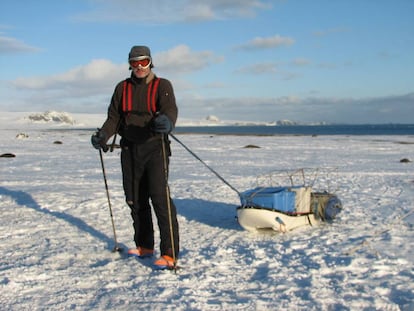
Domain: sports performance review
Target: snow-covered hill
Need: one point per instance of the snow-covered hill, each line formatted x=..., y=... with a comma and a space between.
x=52, y=116
x=61, y=119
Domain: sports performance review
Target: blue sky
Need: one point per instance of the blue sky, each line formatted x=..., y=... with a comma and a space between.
x=347, y=61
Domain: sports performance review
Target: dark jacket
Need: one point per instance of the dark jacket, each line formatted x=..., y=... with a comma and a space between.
x=135, y=125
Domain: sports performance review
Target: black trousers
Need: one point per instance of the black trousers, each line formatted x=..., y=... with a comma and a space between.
x=144, y=179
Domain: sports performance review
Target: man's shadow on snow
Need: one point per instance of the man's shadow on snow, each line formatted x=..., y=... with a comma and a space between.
x=24, y=199
x=214, y=214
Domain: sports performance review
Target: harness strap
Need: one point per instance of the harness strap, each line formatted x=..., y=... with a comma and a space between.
x=151, y=96
x=127, y=97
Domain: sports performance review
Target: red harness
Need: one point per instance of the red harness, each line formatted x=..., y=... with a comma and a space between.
x=151, y=96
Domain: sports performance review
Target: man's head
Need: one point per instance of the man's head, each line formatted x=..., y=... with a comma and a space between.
x=140, y=61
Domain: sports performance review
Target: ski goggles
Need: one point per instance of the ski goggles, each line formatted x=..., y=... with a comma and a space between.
x=142, y=62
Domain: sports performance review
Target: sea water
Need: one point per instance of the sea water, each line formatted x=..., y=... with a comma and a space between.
x=342, y=129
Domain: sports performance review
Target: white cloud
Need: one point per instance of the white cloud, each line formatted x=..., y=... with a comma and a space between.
x=99, y=72
x=90, y=85
x=267, y=42
x=182, y=59
x=391, y=109
x=301, y=62
x=13, y=45
x=322, y=33
x=166, y=11
x=88, y=88
x=259, y=68
x=80, y=89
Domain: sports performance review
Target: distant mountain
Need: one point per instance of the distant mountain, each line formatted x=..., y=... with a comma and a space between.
x=59, y=119
x=52, y=116
x=213, y=119
x=286, y=122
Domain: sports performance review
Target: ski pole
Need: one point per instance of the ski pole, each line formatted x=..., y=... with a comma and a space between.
x=205, y=164
x=116, y=247
x=167, y=194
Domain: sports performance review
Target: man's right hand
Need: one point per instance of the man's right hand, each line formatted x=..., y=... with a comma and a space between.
x=98, y=141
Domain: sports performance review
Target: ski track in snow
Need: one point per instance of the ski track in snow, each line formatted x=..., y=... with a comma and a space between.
x=56, y=235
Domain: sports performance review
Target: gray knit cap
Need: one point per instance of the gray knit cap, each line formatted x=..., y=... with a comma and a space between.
x=139, y=50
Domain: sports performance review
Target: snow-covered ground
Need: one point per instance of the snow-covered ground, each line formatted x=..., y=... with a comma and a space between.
x=56, y=235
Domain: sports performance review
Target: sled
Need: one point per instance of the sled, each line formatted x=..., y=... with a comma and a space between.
x=283, y=209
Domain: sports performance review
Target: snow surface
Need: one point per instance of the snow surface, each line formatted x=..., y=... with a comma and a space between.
x=56, y=235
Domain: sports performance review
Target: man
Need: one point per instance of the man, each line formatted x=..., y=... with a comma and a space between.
x=143, y=111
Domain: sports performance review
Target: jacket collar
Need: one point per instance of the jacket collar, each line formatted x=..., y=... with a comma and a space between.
x=145, y=80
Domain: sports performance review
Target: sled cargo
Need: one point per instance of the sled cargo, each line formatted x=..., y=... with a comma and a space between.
x=284, y=209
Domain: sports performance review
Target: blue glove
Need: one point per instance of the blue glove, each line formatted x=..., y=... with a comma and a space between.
x=98, y=141
x=162, y=124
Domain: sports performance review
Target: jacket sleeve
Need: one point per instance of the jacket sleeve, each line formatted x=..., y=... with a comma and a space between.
x=111, y=125
x=166, y=100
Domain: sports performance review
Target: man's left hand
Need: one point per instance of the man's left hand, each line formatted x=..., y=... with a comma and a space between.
x=162, y=124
